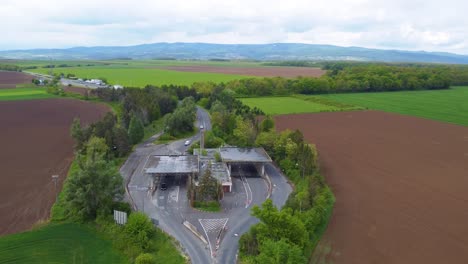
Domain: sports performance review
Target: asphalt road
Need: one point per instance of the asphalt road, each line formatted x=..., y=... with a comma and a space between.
x=170, y=207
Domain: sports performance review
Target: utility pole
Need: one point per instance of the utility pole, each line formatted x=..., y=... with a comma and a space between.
x=55, y=179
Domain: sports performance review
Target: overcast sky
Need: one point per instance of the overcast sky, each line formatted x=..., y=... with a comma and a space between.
x=390, y=24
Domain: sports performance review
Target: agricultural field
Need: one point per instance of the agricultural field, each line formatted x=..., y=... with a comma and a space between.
x=139, y=73
x=9, y=79
x=59, y=243
x=140, y=77
x=442, y=105
x=295, y=105
x=24, y=94
x=400, y=186
x=36, y=145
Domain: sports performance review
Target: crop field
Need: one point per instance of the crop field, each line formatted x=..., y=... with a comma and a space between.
x=270, y=71
x=58, y=243
x=134, y=77
x=36, y=144
x=443, y=105
x=399, y=182
x=24, y=94
x=295, y=105
x=10, y=79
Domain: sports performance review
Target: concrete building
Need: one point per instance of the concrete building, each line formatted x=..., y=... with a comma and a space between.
x=218, y=161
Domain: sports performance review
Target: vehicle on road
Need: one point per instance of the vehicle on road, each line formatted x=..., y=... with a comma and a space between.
x=187, y=142
x=202, y=127
x=163, y=186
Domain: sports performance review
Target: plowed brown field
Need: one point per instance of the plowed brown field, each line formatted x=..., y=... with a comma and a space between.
x=289, y=72
x=9, y=79
x=35, y=143
x=401, y=186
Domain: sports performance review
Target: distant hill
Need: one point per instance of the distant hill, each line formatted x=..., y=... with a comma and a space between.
x=265, y=52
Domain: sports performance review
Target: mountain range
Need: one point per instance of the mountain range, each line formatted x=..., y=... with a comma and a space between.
x=263, y=52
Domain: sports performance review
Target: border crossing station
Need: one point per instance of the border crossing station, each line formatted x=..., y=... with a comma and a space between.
x=219, y=161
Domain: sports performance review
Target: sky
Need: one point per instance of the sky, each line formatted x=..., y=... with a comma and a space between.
x=385, y=24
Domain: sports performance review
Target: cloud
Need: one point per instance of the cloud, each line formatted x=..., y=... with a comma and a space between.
x=398, y=24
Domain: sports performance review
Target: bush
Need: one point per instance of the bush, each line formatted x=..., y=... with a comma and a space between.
x=139, y=229
x=145, y=258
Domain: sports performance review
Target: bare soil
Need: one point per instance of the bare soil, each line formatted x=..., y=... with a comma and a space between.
x=36, y=144
x=288, y=72
x=9, y=79
x=77, y=90
x=400, y=184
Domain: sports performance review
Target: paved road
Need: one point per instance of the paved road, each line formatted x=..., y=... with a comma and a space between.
x=170, y=207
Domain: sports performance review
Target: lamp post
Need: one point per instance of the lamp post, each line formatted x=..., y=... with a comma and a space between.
x=55, y=179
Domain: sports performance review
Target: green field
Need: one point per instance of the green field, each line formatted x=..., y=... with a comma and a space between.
x=442, y=105
x=58, y=243
x=294, y=105
x=24, y=94
x=140, y=77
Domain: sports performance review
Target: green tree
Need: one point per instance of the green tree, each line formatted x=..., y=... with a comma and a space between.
x=139, y=229
x=95, y=185
x=77, y=134
x=267, y=124
x=244, y=133
x=208, y=189
x=279, y=252
x=136, y=130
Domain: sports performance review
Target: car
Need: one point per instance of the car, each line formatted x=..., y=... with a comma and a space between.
x=163, y=186
x=187, y=142
x=202, y=127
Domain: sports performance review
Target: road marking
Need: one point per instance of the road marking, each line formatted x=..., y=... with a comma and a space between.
x=213, y=226
x=174, y=194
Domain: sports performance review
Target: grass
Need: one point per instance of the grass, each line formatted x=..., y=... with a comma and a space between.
x=24, y=94
x=154, y=128
x=166, y=138
x=443, y=105
x=140, y=77
x=294, y=105
x=59, y=243
x=212, y=206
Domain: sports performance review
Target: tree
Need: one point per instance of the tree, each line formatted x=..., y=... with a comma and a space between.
x=208, y=189
x=136, y=130
x=244, y=133
x=267, y=124
x=121, y=142
x=139, y=229
x=77, y=134
x=95, y=185
x=279, y=252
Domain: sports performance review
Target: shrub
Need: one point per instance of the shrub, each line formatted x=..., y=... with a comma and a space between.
x=139, y=229
x=145, y=258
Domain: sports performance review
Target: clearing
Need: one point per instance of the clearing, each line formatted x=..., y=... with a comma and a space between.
x=400, y=186
x=36, y=145
x=59, y=243
x=442, y=105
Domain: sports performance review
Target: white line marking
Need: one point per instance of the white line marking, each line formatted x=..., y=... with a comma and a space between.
x=207, y=238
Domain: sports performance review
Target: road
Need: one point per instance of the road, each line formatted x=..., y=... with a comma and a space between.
x=171, y=207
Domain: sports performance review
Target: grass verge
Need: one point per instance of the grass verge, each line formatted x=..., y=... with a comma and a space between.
x=211, y=206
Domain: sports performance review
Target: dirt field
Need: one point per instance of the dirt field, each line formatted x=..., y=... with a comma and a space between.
x=35, y=144
x=77, y=90
x=400, y=184
x=9, y=79
x=289, y=72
